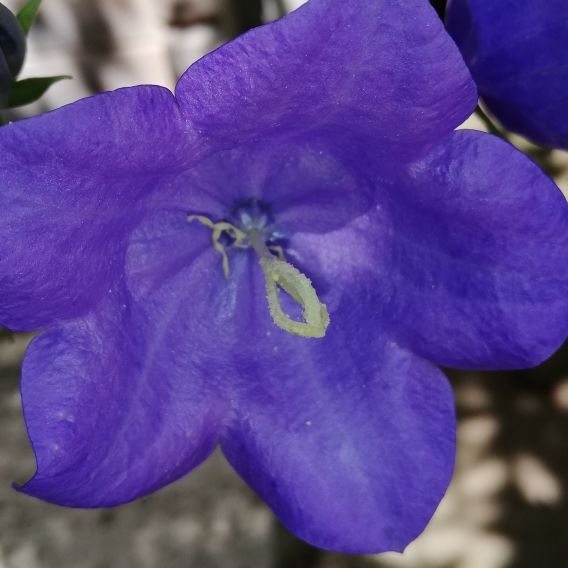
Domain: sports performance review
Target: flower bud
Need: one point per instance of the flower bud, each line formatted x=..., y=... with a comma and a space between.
x=12, y=51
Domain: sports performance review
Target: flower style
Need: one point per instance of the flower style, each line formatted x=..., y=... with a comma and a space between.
x=517, y=52
x=132, y=226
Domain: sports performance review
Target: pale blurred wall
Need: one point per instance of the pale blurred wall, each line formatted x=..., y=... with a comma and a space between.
x=108, y=44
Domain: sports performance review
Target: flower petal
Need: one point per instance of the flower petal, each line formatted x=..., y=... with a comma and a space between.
x=348, y=438
x=302, y=183
x=468, y=252
x=384, y=74
x=120, y=403
x=517, y=52
x=72, y=183
x=131, y=397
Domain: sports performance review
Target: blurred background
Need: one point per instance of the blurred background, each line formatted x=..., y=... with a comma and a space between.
x=507, y=505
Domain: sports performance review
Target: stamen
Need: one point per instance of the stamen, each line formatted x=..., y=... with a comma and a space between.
x=300, y=288
x=297, y=285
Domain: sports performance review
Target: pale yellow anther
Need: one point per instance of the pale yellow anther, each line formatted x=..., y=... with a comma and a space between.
x=300, y=288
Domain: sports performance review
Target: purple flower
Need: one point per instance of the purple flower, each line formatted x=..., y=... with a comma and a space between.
x=325, y=138
x=517, y=52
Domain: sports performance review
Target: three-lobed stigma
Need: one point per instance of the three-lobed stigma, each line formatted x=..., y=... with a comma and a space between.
x=277, y=272
x=218, y=230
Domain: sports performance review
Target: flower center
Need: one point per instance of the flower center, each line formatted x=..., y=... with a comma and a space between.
x=278, y=273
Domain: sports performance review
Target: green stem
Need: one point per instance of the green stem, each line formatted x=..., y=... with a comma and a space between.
x=489, y=123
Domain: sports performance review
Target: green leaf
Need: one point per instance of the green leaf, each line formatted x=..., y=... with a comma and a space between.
x=6, y=333
x=27, y=91
x=27, y=15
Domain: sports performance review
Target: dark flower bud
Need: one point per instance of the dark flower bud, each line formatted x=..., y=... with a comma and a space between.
x=12, y=51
